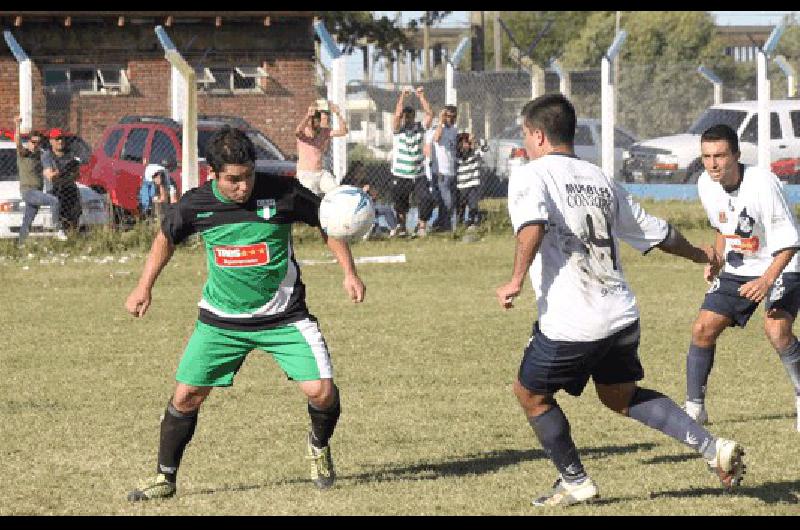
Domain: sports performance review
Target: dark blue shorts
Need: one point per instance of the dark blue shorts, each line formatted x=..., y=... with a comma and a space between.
x=551, y=365
x=724, y=299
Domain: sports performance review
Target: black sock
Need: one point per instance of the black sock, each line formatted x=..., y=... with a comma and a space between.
x=790, y=357
x=177, y=430
x=698, y=366
x=323, y=422
x=659, y=412
x=553, y=431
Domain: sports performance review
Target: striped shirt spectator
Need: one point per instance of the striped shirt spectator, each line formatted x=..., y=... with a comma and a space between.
x=407, y=156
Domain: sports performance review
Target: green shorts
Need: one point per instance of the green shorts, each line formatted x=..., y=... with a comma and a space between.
x=214, y=355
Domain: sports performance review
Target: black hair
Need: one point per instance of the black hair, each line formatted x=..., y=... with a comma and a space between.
x=451, y=108
x=356, y=175
x=721, y=132
x=554, y=115
x=409, y=110
x=229, y=146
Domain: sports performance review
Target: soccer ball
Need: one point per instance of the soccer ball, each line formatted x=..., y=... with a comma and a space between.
x=346, y=212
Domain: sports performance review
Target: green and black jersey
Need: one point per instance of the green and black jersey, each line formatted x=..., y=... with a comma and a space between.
x=253, y=278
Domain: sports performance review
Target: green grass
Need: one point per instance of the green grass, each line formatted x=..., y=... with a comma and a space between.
x=425, y=366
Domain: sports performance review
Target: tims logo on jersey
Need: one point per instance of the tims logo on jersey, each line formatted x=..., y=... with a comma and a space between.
x=266, y=208
x=241, y=255
x=723, y=217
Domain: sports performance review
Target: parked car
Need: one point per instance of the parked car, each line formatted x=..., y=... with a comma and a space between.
x=94, y=205
x=787, y=170
x=587, y=146
x=676, y=158
x=117, y=163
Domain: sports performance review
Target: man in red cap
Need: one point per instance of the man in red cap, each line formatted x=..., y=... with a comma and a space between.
x=61, y=166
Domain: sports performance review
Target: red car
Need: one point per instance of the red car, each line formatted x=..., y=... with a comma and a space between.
x=117, y=164
x=787, y=169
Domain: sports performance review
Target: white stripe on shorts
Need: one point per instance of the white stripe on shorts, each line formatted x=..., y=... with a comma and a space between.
x=311, y=332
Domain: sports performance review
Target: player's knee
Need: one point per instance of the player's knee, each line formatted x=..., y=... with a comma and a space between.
x=188, y=401
x=779, y=333
x=320, y=392
x=704, y=334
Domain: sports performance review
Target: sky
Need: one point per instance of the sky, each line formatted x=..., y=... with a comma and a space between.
x=461, y=19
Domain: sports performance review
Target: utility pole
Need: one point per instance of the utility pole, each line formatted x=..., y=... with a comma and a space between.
x=616, y=63
x=426, y=48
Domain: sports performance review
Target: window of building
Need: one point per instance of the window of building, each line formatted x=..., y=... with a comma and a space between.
x=86, y=79
x=230, y=79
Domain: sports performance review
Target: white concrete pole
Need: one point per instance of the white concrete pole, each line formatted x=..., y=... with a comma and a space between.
x=338, y=95
x=607, y=112
x=450, y=97
x=791, y=77
x=25, y=81
x=608, y=104
x=177, y=93
x=187, y=96
x=763, y=111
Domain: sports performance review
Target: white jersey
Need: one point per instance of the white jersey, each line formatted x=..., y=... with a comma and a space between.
x=580, y=289
x=429, y=159
x=755, y=219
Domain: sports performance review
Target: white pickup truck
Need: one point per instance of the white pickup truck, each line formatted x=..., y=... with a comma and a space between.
x=676, y=158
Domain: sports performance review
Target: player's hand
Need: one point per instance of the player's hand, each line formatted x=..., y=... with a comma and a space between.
x=406, y=92
x=420, y=91
x=334, y=107
x=17, y=119
x=441, y=116
x=138, y=302
x=506, y=294
x=355, y=288
x=311, y=110
x=714, y=265
x=755, y=290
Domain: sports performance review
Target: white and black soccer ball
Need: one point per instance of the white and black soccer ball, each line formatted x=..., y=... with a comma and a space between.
x=346, y=212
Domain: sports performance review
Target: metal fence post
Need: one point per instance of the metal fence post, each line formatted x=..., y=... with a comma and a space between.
x=791, y=75
x=451, y=94
x=25, y=81
x=715, y=80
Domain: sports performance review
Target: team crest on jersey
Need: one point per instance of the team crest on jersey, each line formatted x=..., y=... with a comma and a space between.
x=241, y=255
x=266, y=208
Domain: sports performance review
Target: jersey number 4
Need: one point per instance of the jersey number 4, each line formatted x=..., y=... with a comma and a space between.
x=607, y=241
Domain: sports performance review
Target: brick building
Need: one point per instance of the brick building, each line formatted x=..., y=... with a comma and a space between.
x=92, y=68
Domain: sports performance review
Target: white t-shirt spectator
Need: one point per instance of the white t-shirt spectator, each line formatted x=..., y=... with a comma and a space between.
x=576, y=273
x=444, y=159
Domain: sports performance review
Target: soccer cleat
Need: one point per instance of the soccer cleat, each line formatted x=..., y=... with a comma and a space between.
x=566, y=494
x=322, y=472
x=696, y=411
x=158, y=487
x=728, y=463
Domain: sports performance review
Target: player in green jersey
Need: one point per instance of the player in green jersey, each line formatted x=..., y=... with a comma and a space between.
x=253, y=299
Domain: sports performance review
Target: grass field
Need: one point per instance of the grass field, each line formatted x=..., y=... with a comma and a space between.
x=425, y=366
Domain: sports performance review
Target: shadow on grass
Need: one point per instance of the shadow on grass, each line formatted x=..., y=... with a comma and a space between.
x=769, y=492
x=671, y=459
x=763, y=417
x=472, y=464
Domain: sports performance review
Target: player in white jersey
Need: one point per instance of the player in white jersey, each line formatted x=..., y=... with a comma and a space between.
x=568, y=217
x=758, y=238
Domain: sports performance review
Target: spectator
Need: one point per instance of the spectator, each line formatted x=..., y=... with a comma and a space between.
x=357, y=176
x=31, y=183
x=157, y=191
x=444, y=167
x=408, y=173
x=312, y=142
x=61, y=167
x=468, y=180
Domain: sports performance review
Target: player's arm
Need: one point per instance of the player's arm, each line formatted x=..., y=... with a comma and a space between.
x=437, y=135
x=678, y=245
x=160, y=253
x=50, y=170
x=300, y=130
x=342, y=129
x=528, y=240
x=353, y=285
x=757, y=289
x=17, y=135
x=398, y=110
x=426, y=107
